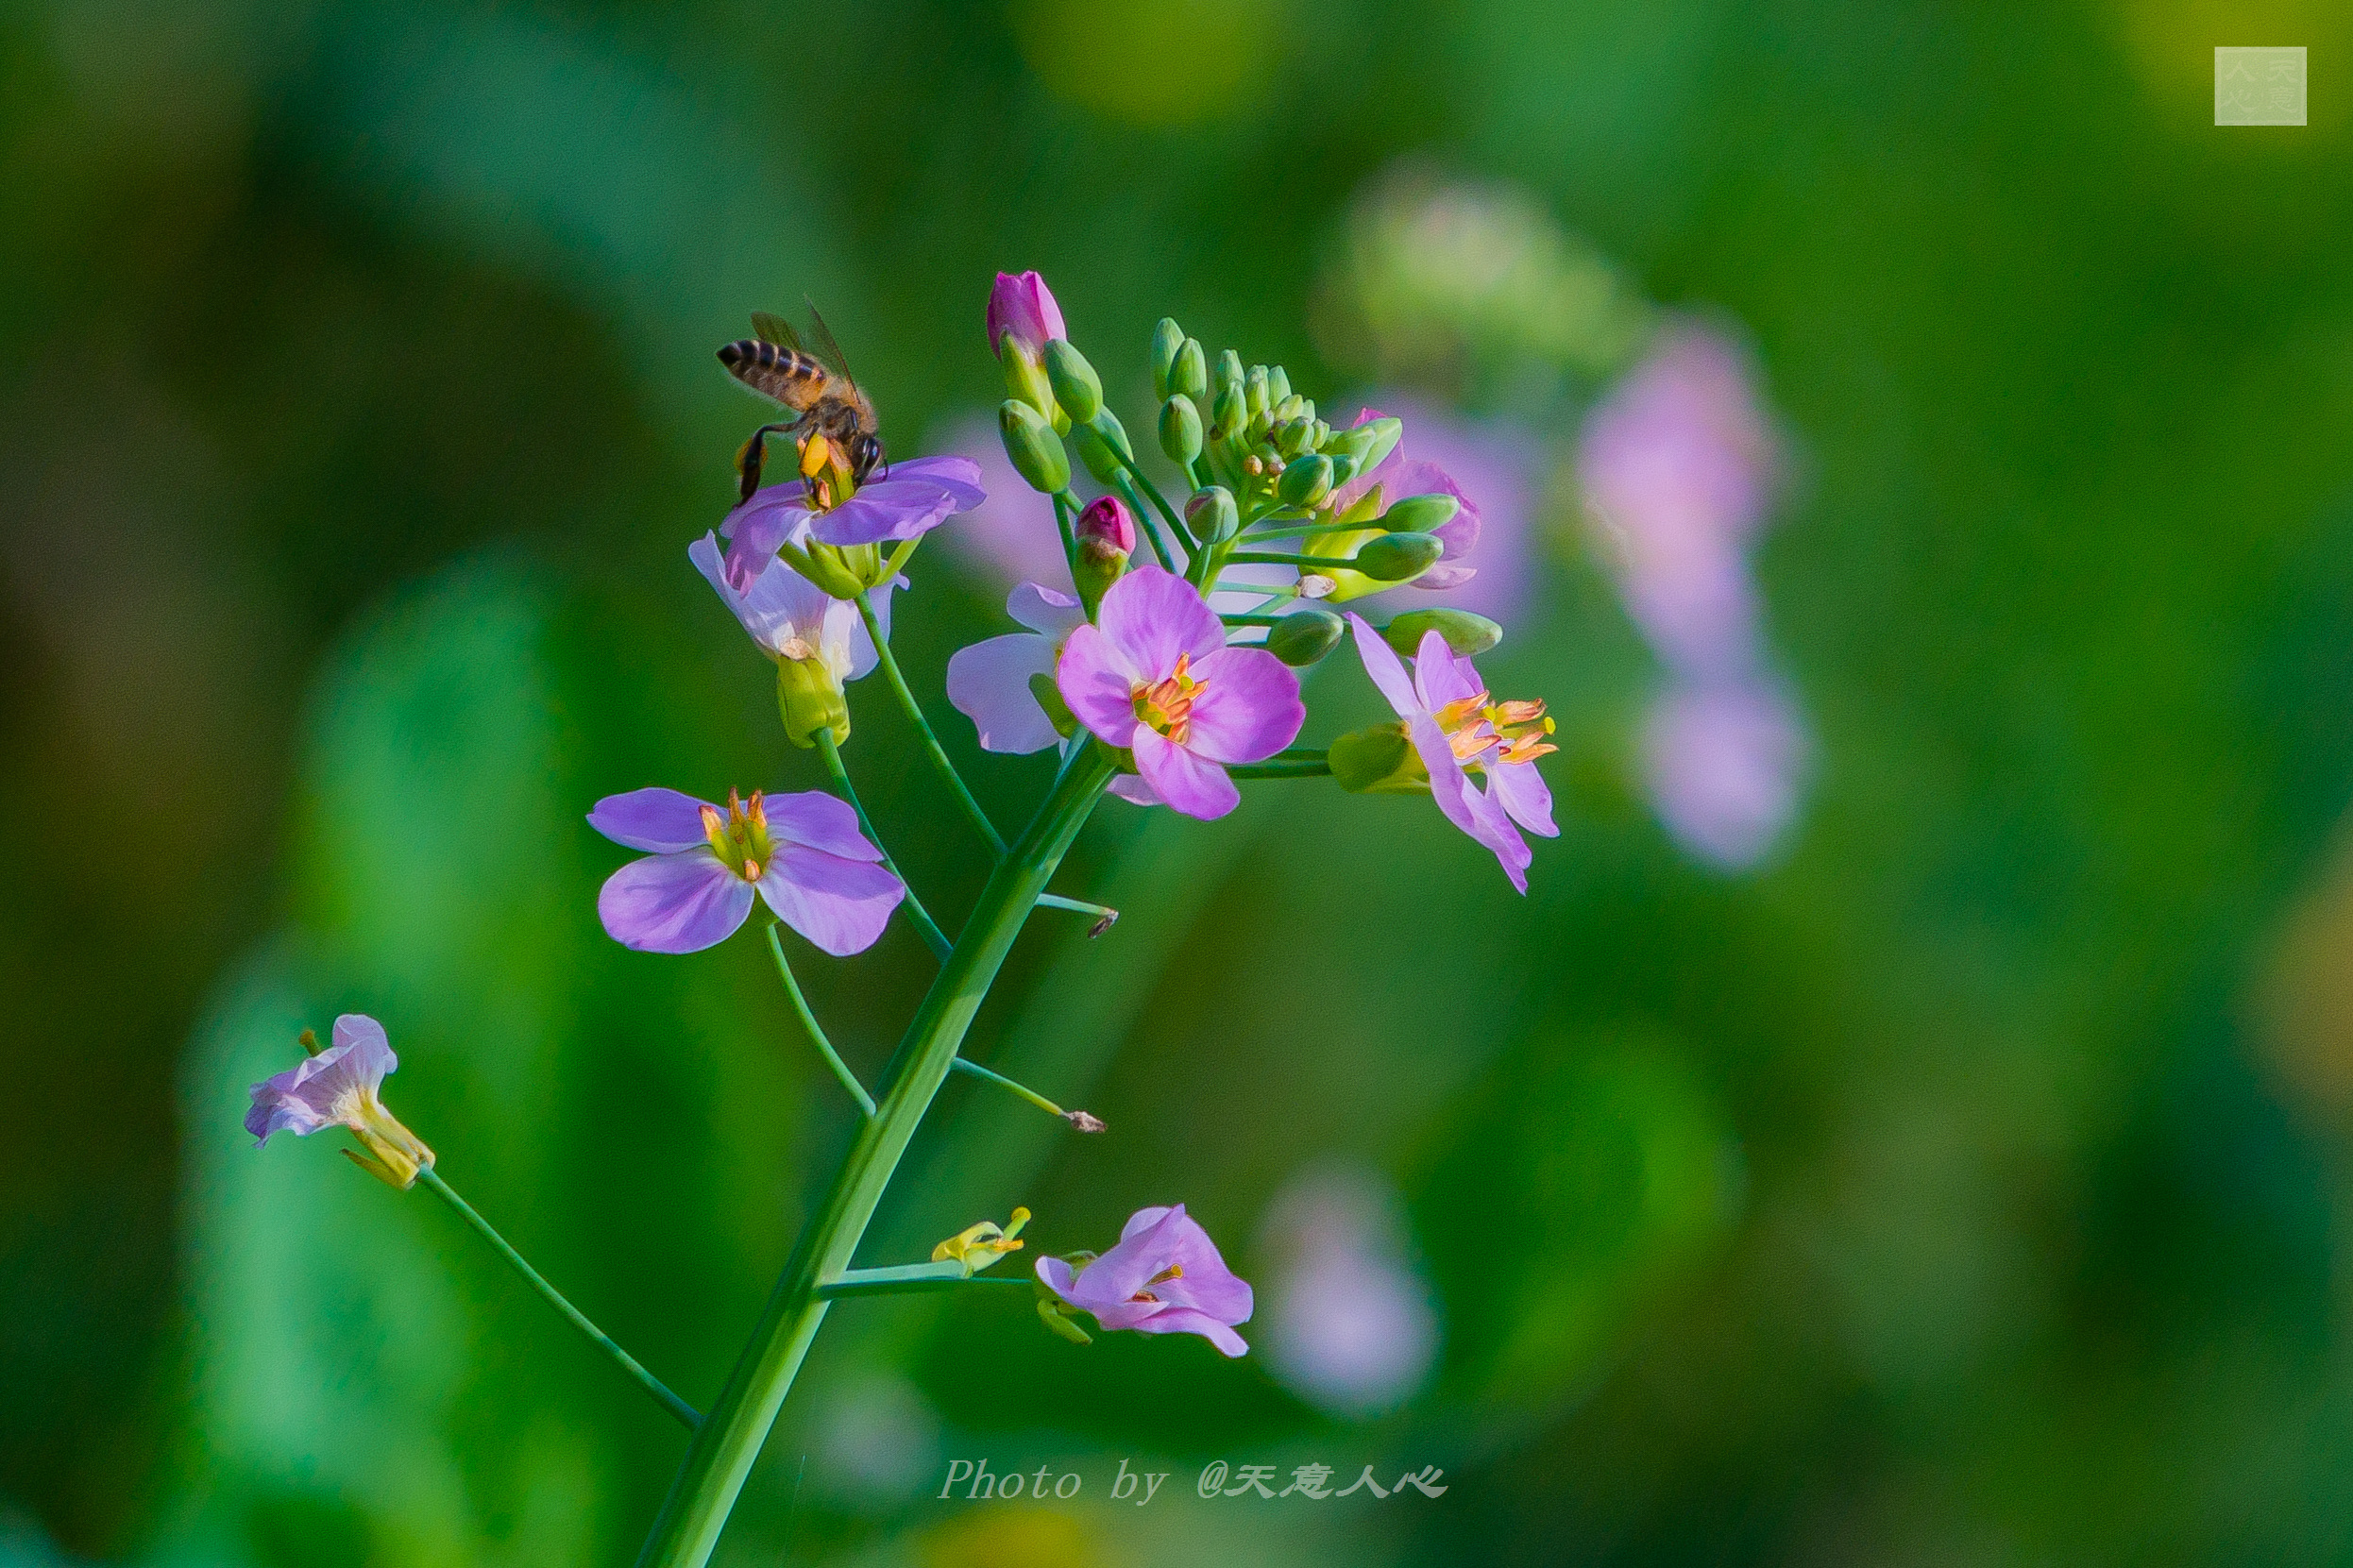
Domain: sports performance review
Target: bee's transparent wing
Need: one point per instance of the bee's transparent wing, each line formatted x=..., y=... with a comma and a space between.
x=821, y=343
x=776, y=330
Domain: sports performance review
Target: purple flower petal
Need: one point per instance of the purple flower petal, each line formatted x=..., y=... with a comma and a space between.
x=885, y=511
x=1020, y=303
x=1152, y=615
x=1184, y=1320
x=316, y=1092
x=1525, y=797
x=819, y=822
x=1442, y=578
x=1132, y=789
x=1190, y=784
x=1046, y=610
x=839, y=905
x=1057, y=1276
x=663, y=820
x=1248, y=707
x=958, y=476
x=754, y=530
x=1440, y=677
x=778, y=606
x=1386, y=670
x=680, y=902
x=1098, y=683
x=989, y=682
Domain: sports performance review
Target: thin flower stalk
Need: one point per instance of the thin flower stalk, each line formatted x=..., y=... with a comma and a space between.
x=817, y=1030
x=924, y=731
x=933, y=937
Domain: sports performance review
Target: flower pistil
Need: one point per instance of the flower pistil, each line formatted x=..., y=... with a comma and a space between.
x=740, y=838
x=1167, y=706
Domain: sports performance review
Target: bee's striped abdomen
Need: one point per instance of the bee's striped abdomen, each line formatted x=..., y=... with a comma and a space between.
x=773, y=370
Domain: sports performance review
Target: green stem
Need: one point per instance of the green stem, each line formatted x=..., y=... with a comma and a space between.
x=1202, y=476
x=730, y=1437
x=1302, y=531
x=817, y=1034
x=1128, y=460
x=1290, y=765
x=907, y=1278
x=922, y=728
x=933, y=937
x=1105, y=915
x=1066, y=508
x=1277, y=558
x=965, y=1064
x=628, y=1363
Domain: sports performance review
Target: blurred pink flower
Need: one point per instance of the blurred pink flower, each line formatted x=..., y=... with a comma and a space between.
x=1723, y=764
x=1349, y=1325
x=1493, y=466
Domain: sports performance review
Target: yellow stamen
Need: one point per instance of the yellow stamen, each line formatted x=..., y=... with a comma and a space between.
x=814, y=453
x=1167, y=706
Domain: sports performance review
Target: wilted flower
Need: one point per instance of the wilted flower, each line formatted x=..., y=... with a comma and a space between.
x=1154, y=676
x=1164, y=1277
x=978, y=1246
x=803, y=853
x=338, y=1089
x=918, y=496
x=1398, y=477
x=995, y=683
x=1492, y=467
x=1454, y=727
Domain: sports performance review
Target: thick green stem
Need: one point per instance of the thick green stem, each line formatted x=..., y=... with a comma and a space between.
x=933, y=937
x=730, y=1437
x=628, y=1363
x=816, y=1031
x=922, y=728
x=1279, y=558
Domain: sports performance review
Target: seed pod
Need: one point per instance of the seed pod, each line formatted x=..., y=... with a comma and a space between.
x=1466, y=633
x=1420, y=513
x=1190, y=374
x=1212, y=515
x=1306, y=482
x=1076, y=387
x=1304, y=637
x=1397, y=557
x=1181, y=430
x=1035, y=451
x=1168, y=339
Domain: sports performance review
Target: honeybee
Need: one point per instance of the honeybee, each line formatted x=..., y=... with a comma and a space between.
x=814, y=382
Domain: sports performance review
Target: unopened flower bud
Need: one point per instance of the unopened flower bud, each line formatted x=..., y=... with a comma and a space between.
x=1343, y=469
x=1306, y=482
x=1467, y=635
x=1292, y=438
x=1096, y=440
x=1181, y=430
x=1256, y=386
x=1025, y=377
x=1231, y=412
x=1420, y=513
x=1075, y=385
x=810, y=696
x=1229, y=371
x=1278, y=384
x=1212, y=515
x=1286, y=408
x=1191, y=374
x=1106, y=535
x=1304, y=637
x=1168, y=341
x=1035, y=451
x=1379, y=761
x=1398, y=557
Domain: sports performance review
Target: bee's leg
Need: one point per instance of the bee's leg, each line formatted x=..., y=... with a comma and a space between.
x=748, y=461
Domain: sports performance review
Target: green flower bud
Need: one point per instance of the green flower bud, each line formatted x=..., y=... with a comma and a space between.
x=1305, y=482
x=1467, y=635
x=1398, y=557
x=1035, y=451
x=1075, y=385
x=1304, y=637
x=1181, y=430
x=1286, y=408
x=1229, y=371
x=1343, y=469
x=829, y=568
x=1386, y=432
x=1307, y=412
x=1025, y=377
x=1168, y=339
x=1256, y=431
x=1096, y=440
x=1278, y=384
x=1229, y=414
x=1379, y=761
x=1190, y=374
x=1290, y=438
x=1212, y=515
x=810, y=700
x=1257, y=388
x=1420, y=513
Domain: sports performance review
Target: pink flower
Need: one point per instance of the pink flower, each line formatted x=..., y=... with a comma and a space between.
x=338, y=1087
x=1493, y=468
x=1023, y=305
x=1154, y=676
x=1723, y=764
x=917, y=496
x=990, y=682
x=1164, y=1277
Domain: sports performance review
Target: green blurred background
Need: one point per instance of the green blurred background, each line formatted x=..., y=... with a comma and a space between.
x=1962, y=1181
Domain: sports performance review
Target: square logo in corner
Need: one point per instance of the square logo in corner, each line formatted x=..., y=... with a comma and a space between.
x=2259, y=86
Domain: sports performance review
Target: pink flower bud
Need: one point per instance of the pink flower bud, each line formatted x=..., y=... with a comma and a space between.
x=1108, y=523
x=1025, y=307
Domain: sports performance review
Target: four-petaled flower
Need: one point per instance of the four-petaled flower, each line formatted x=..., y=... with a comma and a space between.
x=920, y=495
x=803, y=853
x=1154, y=676
x=1455, y=727
x=791, y=617
x=992, y=681
x=1164, y=1277
x=338, y=1089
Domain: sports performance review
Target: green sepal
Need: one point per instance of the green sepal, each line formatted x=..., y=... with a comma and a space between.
x=1181, y=430
x=1076, y=387
x=1398, y=557
x=1049, y=696
x=1305, y=480
x=1035, y=451
x=1168, y=341
x=1212, y=515
x=1096, y=441
x=1304, y=635
x=1379, y=761
x=1190, y=376
x=1421, y=514
x=810, y=700
x=1026, y=378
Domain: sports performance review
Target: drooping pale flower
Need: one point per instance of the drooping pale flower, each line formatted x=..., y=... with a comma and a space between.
x=1154, y=676
x=1021, y=304
x=338, y=1089
x=1496, y=462
x=994, y=683
x=791, y=617
x=979, y=1246
x=804, y=854
x=1164, y=1277
x=1456, y=729
x=918, y=496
